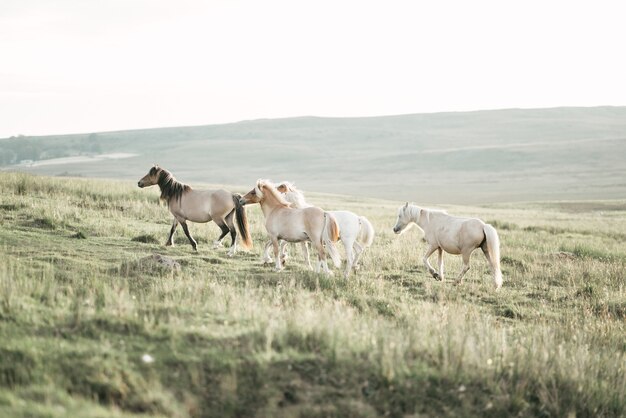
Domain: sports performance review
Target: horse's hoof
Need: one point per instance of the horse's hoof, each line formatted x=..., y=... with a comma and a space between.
x=169, y=244
x=436, y=276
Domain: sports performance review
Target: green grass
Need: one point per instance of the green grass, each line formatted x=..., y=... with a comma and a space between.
x=80, y=306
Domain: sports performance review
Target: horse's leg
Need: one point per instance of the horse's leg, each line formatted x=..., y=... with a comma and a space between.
x=193, y=242
x=305, y=254
x=358, y=250
x=321, y=256
x=431, y=270
x=233, y=233
x=218, y=242
x=276, y=246
x=440, y=259
x=349, y=257
x=266, y=253
x=170, y=239
x=466, y=259
x=283, y=251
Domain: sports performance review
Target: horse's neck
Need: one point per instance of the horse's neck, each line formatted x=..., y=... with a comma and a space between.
x=419, y=216
x=427, y=217
x=297, y=199
x=269, y=203
x=171, y=188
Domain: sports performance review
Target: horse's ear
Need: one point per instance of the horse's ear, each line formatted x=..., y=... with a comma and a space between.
x=155, y=165
x=406, y=205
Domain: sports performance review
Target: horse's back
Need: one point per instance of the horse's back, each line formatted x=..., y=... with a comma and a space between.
x=454, y=233
x=348, y=221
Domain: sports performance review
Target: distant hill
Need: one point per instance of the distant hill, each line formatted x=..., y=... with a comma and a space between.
x=464, y=157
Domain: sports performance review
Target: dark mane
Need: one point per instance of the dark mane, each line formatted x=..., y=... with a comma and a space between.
x=170, y=187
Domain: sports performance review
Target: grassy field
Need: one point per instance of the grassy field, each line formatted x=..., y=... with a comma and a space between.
x=90, y=327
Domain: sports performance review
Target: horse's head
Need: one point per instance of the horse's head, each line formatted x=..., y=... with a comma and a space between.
x=255, y=195
x=151, y=178
x=404, y=219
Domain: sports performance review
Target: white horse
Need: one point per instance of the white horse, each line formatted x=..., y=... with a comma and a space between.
x=355, y=232
x=453, y=235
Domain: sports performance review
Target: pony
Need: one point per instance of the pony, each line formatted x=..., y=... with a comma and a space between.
x=355, y=232
x=454, y=235
x=201, y=206
x=284, y=222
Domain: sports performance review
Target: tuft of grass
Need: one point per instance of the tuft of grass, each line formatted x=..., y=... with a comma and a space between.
x=146, y=239
x=43, y=223
x=79, y=235
x=582, y=250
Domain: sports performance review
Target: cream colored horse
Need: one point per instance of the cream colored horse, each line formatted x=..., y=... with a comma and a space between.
x=355, y=232
x=453, y=235
x=187, y=204
x=283, y=222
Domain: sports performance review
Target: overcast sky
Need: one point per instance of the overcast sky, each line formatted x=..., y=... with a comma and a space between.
x=88, y=65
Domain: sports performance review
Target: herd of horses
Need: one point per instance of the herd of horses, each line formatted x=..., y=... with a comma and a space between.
x=290, y=219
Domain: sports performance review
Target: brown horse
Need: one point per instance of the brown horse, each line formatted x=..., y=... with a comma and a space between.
x=283, y=222
x=187, y=204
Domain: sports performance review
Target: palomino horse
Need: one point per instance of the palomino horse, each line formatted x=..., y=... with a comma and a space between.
x=283, y=222
x=453, y=235
x=355, y=232
x=187, y=204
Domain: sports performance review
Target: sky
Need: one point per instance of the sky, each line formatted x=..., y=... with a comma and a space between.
x=70, y=66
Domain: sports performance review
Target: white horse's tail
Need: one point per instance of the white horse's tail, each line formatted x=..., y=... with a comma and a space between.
x=493, y=250
x=330, y=235
x=366, y=233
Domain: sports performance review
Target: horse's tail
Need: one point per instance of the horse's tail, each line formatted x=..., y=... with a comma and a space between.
x=366, y=233
x=330, y=235
x=242, y=222
x=493, y=252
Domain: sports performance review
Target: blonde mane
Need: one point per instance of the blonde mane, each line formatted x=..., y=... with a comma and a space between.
x=266, y=186
x=294, y=195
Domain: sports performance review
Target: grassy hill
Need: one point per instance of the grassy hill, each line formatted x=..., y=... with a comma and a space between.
x=465, y=157
x=90, y=327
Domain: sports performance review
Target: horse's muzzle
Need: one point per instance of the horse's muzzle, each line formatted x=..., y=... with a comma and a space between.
x=396, y=229
x=242, y=202
x=140, y=184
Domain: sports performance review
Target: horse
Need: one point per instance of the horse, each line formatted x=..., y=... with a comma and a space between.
x=284, y=222
x=355, y=232
x=454, y=235
x=201, y=206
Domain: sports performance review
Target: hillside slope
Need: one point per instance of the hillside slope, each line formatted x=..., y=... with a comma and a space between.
x=465, y=157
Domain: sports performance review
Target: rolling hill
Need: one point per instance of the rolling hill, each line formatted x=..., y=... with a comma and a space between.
x=465, y=157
